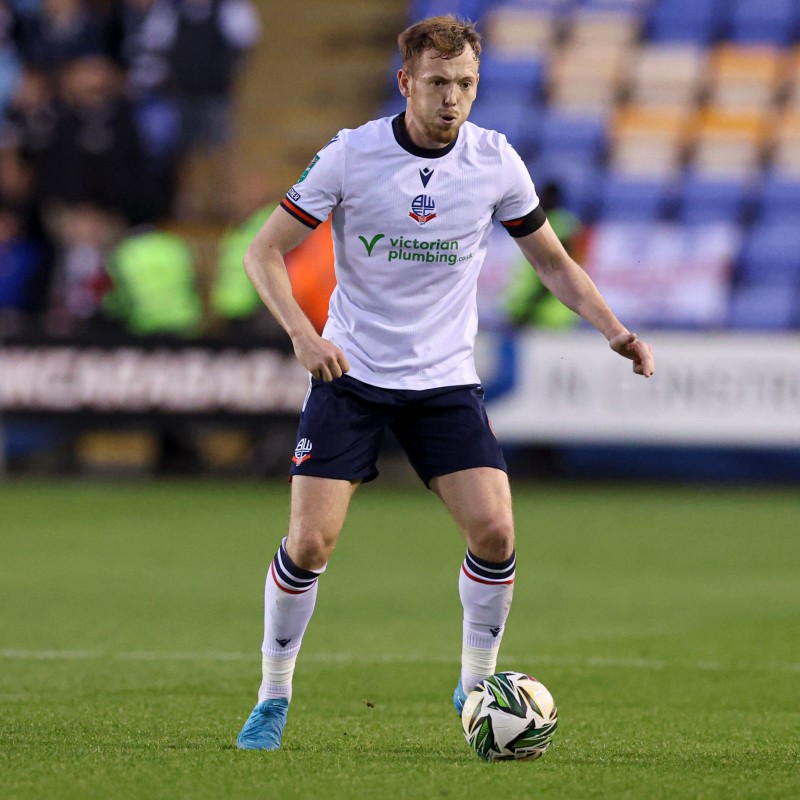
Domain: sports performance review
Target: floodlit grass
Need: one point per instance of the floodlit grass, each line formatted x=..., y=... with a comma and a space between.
x=664, y=621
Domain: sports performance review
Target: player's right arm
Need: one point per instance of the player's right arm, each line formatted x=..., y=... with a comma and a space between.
x=266, y=268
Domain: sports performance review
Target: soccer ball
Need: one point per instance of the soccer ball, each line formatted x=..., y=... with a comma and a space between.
x=508, y=716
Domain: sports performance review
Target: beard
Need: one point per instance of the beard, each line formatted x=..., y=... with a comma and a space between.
x=439, y=134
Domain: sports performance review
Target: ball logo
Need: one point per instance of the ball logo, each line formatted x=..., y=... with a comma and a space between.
x=302, y=452
x=422, y=209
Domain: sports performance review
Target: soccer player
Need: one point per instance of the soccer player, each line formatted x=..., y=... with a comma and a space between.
x=413, y=199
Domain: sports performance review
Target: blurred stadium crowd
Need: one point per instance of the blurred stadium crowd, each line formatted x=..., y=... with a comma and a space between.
x=680, y=118
x=106, y=106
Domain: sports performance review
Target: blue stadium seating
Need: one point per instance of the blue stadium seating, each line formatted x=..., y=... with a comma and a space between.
x=764, y=21
x=577, y=177
x=524, y=77
x=770, y=255
x=470, y=9
x=687, y=20
x=763, y=308
x=634, y=199
x=780, y=199
x=632, y=7
x=502, y=111
x=704, y=199
x=569, y=134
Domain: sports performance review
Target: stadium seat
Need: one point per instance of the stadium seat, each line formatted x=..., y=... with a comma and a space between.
x=631, y=7
x=648, y=142
x=792, y=85
x=786, y=144
x=520, y=122
x=522, y=75
x=470, y=9
x=600, y=26
x=667, y=75
x=698, y=21
x=746, y=78
x=568, y=134
x=626, y=199
x=704, y=199
x=780, y=198
x=771, y=255
x=577, y=178
x=516, y=32
x=584, y=76
x=763, y=308
x=761, y=21
x=729, y=144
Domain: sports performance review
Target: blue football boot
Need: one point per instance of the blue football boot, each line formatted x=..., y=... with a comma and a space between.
x=264, y=727
x=459, y=698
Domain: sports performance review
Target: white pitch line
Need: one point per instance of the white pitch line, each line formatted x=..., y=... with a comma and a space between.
x=599, y=662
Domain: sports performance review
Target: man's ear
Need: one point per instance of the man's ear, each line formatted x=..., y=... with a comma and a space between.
x=403, y=80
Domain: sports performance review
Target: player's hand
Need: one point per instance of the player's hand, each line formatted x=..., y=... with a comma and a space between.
x=627, y=345
x=323, y=359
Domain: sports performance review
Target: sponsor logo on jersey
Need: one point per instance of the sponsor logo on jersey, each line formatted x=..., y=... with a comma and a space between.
x=302, y=452
x=308, y=169
x=423, y=209
x=436, y=251
x=425, y=174
x=293, y=195
x=372, y=242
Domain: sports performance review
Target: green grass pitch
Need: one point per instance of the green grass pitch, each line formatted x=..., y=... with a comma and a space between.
x=666, y=622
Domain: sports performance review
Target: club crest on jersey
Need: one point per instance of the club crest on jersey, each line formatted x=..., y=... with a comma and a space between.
x=302, y=452
x=423, y=209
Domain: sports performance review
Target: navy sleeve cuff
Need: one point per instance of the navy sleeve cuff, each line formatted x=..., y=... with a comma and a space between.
x=531, y=222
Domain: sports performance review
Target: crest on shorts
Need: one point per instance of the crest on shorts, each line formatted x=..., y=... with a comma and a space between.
x=302, y=452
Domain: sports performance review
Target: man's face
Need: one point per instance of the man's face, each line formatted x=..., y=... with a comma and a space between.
x=439, y=93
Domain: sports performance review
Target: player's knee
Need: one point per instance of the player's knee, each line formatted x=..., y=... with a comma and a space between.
x=492, y=538
x=310, y=551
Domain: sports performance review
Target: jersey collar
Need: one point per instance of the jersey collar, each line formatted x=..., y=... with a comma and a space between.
x=405, y=141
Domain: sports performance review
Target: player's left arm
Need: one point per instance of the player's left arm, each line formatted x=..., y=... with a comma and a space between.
x=573, y=287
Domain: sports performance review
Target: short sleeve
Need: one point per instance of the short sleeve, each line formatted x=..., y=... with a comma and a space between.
x=319, y=189
x=519, y=199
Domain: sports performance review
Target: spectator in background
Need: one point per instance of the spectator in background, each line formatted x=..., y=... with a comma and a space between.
x=233, y=298
x=30, y=118
x=64, y=30
x=311, y=272
x=202, y=42
x=94, y=155
x=25, y=251
x=84, y=235
x=528, y=301
x=155, y=112
x=154, y=292
x=10, y=62
x=21, y=265
x=310, y=267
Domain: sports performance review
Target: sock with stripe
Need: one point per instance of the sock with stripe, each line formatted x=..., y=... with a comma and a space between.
x=289, y=597
x=485, y=588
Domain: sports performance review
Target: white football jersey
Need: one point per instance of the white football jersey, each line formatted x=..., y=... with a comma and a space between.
x=410, y=229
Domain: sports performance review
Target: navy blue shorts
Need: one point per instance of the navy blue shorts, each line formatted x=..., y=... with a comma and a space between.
x=441, y=430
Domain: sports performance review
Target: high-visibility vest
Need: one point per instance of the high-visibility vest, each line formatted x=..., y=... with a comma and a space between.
x=528, y=301
x=154, y=285
x=232, y=294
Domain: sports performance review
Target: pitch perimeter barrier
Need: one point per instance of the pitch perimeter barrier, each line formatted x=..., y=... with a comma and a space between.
x=715, y=390
x=554, y=388
x=73, y=378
